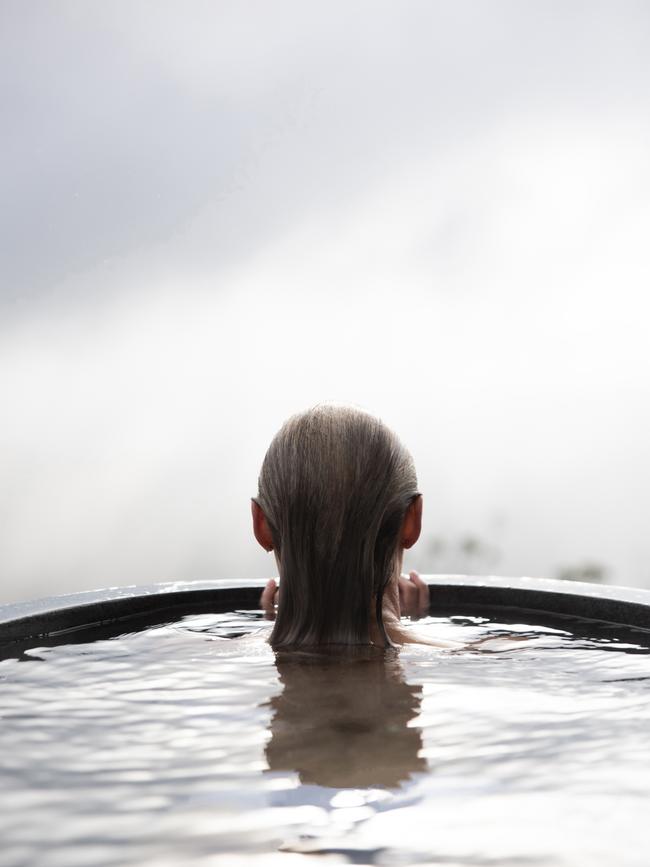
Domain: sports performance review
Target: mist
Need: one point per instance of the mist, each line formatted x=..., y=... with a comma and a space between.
x=216, y=215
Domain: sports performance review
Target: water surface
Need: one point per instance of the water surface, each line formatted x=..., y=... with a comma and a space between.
x=188, y=743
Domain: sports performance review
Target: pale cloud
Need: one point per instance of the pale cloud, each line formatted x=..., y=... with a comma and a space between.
x=255, y=212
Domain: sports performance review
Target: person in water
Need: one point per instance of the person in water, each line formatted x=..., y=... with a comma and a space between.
x=338, y=504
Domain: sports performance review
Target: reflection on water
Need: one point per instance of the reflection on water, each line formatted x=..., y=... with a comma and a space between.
x=343, y=722
x=181, y=744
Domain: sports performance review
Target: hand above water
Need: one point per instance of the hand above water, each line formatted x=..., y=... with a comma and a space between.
x=413, y=596
x=269, y=599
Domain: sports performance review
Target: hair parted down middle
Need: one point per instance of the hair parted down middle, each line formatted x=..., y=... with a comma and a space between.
x=334, y=486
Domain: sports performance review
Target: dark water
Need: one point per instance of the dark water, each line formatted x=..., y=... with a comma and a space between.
x=183, y=744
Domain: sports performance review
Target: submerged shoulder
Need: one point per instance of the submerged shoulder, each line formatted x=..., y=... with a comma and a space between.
x=402, y=635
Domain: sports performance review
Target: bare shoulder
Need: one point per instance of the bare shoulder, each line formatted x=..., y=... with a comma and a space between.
x=489, y=643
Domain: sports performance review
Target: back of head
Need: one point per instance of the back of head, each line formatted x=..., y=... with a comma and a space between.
x=334, y=486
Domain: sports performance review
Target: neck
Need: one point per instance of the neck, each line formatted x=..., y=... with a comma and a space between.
x=390, y=609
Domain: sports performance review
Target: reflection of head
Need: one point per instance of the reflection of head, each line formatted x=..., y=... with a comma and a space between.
x=341, y=720
x=335, y=486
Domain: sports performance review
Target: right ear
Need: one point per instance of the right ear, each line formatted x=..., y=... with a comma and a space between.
x=412, y=526
x=260, y=526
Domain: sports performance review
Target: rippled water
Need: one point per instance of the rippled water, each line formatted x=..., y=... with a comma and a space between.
x=183, y=744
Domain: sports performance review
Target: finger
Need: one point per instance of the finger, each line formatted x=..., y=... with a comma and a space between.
x=405, y=588
x=268, y=597
x=408, y=596
x=267, y=594
x=423, y=591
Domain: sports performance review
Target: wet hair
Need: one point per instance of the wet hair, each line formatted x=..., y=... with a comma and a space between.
x=334, y=487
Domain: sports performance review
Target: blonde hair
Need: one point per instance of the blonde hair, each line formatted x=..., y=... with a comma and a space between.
x=334, y=486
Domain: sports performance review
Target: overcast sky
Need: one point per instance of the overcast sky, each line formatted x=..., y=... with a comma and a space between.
x=216, y=214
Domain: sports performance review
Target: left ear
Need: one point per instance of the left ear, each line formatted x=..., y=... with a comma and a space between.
x=412, y=524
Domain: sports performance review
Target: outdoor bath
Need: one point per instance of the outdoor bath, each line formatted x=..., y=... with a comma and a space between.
x=373, y=278
x=136, y=730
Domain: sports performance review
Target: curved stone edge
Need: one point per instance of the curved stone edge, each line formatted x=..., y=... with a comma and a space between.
x=18, y=610
x=76, y=611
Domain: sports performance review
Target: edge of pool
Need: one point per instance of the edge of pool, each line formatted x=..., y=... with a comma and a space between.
x=58, y=615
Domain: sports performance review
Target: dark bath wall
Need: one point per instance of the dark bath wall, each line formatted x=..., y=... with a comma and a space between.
x=101, y=613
